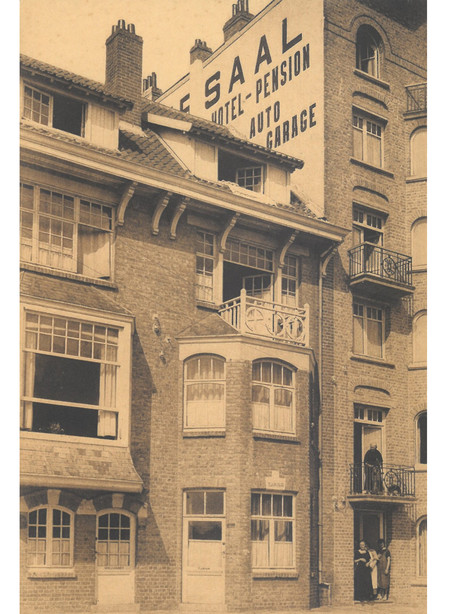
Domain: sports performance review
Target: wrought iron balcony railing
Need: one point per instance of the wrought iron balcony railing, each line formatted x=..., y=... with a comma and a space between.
x=382, y=480
x=254, y=316
x=368, y=259
x=416, y=97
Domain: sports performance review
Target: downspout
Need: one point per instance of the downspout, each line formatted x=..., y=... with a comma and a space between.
x=324, y=259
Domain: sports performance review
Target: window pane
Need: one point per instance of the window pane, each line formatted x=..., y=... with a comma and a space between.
x=205, y=530
x=195, y=502
x=214, y=502
x=65, y=379
x=374, y=345
x=358, y=339
x=277, y=505
x=256, y=504
x=266, y=505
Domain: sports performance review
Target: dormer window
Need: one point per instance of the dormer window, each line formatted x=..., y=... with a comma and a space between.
x=250, y=178
x=57, y=111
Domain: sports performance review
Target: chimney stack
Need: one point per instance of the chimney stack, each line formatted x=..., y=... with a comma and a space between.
x=150, y=88
x=124, y=67
x=240, y=18
x=200, y=51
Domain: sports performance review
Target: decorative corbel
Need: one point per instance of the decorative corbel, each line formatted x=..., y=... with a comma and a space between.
x=284, y=248
x=226, y=231
x=160, y=206
x=127, y=194
x=181, y=206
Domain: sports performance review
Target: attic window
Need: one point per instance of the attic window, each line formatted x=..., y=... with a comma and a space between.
x=60, y=112
x=240, y=170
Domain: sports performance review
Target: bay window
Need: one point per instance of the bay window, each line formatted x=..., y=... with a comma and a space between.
x=272, y=531
x=70, y=376
x=368, y=330
x=272, y=397
x=65, y=232
x=204, y=392
x=50, y=537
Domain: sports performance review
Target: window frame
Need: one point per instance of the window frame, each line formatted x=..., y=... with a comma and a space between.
x=366, y=36
x=132, y=540
x=416, y=338
x=366, y=306
x=361, y=222
x=122, y=381
x=51, y=96
x=412, y=138
x=201, y=272
x=192, y=382
x=361, y=127
x=248, y=179
x=419, y=222
x=271, y=519
x=49, y=538
x=418, y=438
x=420, y=572
x=272, y=387
x=74, y=262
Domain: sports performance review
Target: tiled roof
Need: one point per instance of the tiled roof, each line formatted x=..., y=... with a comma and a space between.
x=67, y=291
x=148, y=150
x=208, y=326
x=88, y=465
x=71, y=78
x=204, y=127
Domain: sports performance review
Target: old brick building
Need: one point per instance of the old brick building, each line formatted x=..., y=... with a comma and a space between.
x=218, y=321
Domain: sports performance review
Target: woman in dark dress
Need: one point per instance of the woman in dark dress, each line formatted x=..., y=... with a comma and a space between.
x=384, y=568
x=363, y=581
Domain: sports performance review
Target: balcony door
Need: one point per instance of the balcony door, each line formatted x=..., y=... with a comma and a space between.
x=259, y=286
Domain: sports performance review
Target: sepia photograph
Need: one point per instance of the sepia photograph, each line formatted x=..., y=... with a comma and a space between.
x=223, y=306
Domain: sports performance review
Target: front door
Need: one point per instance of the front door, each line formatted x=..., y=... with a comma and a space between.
x=369, y=526
x=203, y=578
x=115, y=558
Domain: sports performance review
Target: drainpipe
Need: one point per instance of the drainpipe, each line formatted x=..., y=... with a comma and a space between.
x=325, y=258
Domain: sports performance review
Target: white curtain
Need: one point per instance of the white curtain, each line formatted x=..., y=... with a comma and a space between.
x=107, y=420
x=94, y=252
x=27, y=407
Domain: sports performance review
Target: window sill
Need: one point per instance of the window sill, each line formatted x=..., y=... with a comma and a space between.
x=67, y=275
x=275, y=574
x=72, y=439
x=371, y=167
x=420, y=269
x=204, y=433
x=419, y=582
x=275, y=437
x=413, y=179
x=372, y=360
x=206, y=305
x=375, y=80
x=418, y=366
x=51, y=573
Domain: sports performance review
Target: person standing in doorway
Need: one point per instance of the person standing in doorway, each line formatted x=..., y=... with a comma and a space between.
x=373, y=462
x=373, y=564
x=384, y=570
x=363, y=581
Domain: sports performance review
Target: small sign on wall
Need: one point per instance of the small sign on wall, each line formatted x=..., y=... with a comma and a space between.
x=274, y=482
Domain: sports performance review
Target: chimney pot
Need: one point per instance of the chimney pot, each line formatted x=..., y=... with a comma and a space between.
x=200, y=51
x=239, y=19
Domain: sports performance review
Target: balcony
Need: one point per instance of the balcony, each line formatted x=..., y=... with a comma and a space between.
x=387, y=484
x=261, y=318
x=380, y=272
x=416, y=98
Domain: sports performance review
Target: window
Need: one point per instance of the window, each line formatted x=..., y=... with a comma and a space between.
x=50, y=537
x=368, y=330
x=58, y=111
x=368, y=140
x=204, y=503
x=70, y=377
x=115, y=535
x=272, y=531
x=422, y=547
x=422, y=438
x=289, y=281
x=250, y=178
x=272, y=397
x=367, y=227
x=419, y=153
x=368, y=51
x=204, y=266
x=419, y=243
x=65, y=232
x=420, y=338
x=204, y=392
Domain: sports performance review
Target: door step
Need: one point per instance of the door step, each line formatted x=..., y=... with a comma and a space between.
x=205, y=608
x=123, y=608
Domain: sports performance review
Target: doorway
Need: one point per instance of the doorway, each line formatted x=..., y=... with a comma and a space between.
x=203, y=574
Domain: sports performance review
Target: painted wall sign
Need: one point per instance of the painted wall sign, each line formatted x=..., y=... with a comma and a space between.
x=274, y=482
x=266, y=82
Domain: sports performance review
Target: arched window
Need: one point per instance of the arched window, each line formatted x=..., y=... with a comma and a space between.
x=115, y=540
x=422, y=547
x=422, y=438
x=368, y=51
x=50, y=537
x=272, y=397
x=420, y=337
x=419, y=152
x=419, y=242
x=204, y=392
